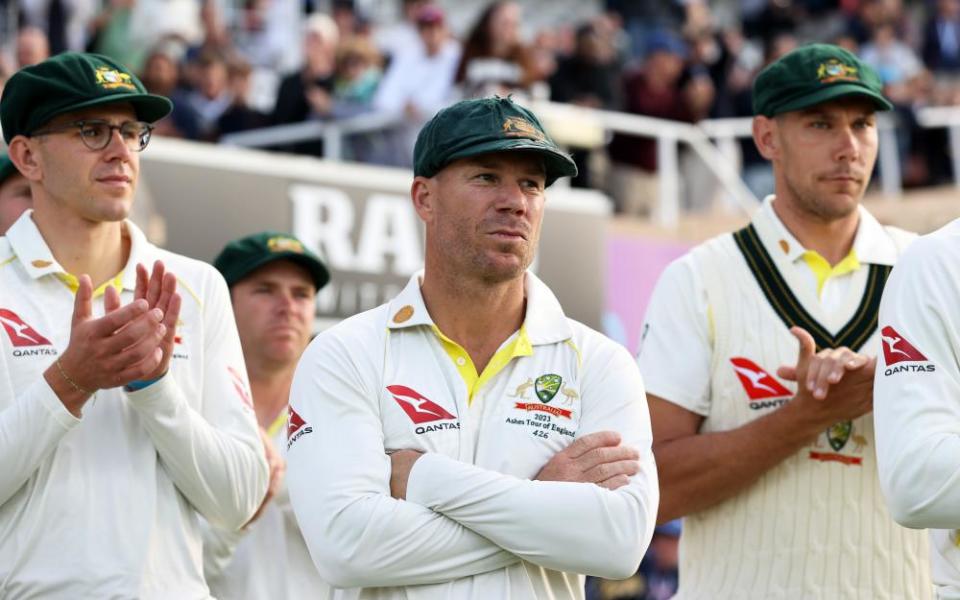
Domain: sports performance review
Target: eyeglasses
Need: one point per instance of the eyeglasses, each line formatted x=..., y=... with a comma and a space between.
x=96, y=133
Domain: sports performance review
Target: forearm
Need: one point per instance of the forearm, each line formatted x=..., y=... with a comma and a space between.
x=565, y=526
x=373, y=540
x=701, y=470
x=31, y=426
x=221, y=470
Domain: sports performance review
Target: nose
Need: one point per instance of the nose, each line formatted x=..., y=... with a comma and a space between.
x=512, y=198
x=847, y=147
x=117, y=147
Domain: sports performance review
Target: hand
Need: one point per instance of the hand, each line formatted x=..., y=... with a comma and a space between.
x=835, y=384
x=120, y=347
x=321, y=103
x=159, y=289
x=278, y=467
x=594, y=458
x=401, y=463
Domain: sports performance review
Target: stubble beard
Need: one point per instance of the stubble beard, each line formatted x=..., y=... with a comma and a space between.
x=809, y=202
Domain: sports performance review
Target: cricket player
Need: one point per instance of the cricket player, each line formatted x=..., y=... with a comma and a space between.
x=14, y=193
x=467, y=440
x=124, y=405
x=273, y=281
x=773, y=469
x=917, y=398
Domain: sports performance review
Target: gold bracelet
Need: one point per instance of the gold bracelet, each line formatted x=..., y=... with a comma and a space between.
x=70, y=381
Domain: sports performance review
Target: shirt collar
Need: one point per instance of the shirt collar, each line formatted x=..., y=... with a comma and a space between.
x=871, y=243
x=545, y=322
x=37, y=260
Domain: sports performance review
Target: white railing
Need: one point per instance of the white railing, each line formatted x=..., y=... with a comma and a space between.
x=714, y=141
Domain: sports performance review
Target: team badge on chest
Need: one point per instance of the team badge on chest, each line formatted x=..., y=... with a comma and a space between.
x=547, y=386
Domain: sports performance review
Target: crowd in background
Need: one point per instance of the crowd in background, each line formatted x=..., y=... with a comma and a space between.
x=231, y=68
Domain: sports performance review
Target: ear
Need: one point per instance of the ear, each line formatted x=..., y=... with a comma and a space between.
x=765, y=137
x=23, y=155
x=424, y=195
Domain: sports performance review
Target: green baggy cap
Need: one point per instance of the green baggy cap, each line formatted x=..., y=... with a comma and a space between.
x=814, y=74
x=71, y=81
x=481, y=126
x=241, y=257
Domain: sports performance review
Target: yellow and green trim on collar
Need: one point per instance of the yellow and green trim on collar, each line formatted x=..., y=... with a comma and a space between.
x=518, y=346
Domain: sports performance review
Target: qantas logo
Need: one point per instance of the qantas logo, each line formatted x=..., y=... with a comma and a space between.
x=20, y=333
x=762, y=388
x=898, y=350
x=296, y=427
x=419, y=408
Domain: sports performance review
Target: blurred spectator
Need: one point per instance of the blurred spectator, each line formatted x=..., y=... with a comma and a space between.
x=240, y=116
x=418, y=83
x=399, y=37
x=941, y=38
x=642, y=18
x=212, y=96
x=894, y=61
x=590, y=77
x=308, y=93
x=358, y=74
x=110, y=33
x=494, y=60
x=161, y=75
x=656, y=90
x=32, y=47
x=15, y=196
x=64, y=22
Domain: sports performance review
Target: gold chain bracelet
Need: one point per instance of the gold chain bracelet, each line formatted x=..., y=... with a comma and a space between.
x=73, y=383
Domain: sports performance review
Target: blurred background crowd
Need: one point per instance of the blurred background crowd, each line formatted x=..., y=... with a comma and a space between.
x=237, y=65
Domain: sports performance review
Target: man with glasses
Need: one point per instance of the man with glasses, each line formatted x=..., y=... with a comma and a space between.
x=124, y=404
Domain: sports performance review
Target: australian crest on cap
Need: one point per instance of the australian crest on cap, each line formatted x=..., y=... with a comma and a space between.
x=284, y=244
x=112, y=79
x=520, y=127
x=834, y=70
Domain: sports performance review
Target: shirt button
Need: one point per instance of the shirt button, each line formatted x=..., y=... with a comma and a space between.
x=461, y=361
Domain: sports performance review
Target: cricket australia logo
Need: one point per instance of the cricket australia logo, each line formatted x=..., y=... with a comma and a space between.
x=112, y=79
x=545, y=388
x=837, y=437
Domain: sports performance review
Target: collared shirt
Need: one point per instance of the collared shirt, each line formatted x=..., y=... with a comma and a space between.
x=678, y=326
x=473, y=524
x=106, y=505
x=916, y=403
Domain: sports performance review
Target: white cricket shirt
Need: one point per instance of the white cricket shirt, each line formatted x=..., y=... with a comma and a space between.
x=814, y=526
x=917, y=398
x=267, y=559
x=474, y=525
x=107, y=506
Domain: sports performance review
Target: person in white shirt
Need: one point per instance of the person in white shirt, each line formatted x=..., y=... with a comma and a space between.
x=917, y=398
x=467, y=440
x=419, y=82
x=124, y=403
x=773, y=469
x=273, y=284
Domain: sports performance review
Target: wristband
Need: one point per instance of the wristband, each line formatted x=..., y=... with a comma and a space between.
x=135, y=386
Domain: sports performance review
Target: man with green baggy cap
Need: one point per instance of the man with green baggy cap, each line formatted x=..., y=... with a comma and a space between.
x=467, y=440
x=273, y=280
x=125, y=411
x=767, y=451
x=14, y=193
